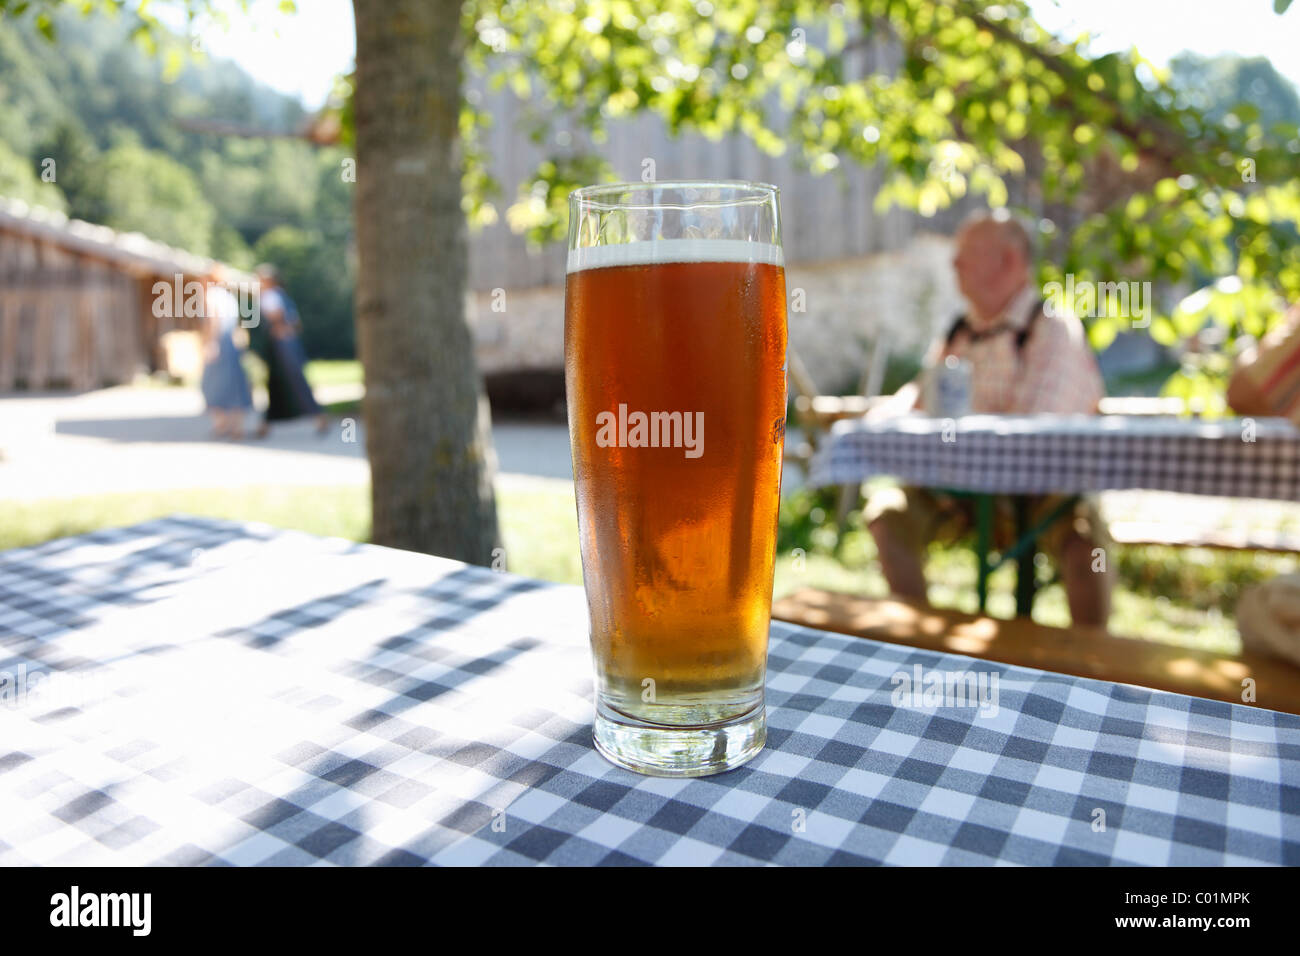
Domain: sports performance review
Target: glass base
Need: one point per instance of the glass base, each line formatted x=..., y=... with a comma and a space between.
x=662, y=750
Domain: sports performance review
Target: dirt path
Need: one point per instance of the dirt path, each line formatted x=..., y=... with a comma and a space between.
x=139, y=438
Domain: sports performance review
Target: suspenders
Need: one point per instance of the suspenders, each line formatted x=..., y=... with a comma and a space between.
x=1022, y=334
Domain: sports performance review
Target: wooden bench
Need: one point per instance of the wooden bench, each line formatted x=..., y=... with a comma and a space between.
x=1190, y=535
x=1140, y=405
x=1077, y=651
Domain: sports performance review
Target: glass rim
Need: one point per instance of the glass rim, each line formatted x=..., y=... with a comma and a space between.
x=747, y=192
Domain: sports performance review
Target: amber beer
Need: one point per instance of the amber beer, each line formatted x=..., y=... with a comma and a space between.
x=675, y=370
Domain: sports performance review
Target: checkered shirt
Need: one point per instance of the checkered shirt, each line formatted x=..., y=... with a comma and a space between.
x=256, y=696
x=1054, y=372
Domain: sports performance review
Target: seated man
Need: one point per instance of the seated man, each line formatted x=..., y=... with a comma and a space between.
x=1025, y=359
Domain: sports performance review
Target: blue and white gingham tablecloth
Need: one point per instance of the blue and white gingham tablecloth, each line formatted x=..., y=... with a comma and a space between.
x=193, y=691
x=1068, y=454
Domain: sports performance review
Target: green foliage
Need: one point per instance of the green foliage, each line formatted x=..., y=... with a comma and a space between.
x=118, y=121
x=20, y=180
x=1223, y=85
x=1136, y=178
x=1165, y=190
x=1205, y=579
x=97, y=90
x=807, y=522
x=317, y=275
x=74, y=157
x=899, y=370
x=141, y=190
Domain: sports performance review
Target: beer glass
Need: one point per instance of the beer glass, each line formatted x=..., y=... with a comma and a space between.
x=675, y=339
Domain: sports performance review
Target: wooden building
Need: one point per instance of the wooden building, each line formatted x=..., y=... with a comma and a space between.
x=78, y=307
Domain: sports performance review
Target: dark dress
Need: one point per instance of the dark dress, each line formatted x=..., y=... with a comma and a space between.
x=288, y=394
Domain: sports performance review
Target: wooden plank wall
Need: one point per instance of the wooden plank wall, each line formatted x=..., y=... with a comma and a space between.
x=67, y=320
x=826, y=217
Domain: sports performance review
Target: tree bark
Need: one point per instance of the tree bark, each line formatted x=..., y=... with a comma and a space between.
x=428, y=432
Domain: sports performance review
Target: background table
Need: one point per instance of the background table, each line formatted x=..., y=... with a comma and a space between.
x=1067, y=454
x=1070, y=455
x=260, y=696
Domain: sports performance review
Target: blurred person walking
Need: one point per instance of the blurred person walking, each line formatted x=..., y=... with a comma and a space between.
x=279, y=344
x=224, y=384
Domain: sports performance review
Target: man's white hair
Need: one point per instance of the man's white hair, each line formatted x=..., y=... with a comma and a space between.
x=1008, y=228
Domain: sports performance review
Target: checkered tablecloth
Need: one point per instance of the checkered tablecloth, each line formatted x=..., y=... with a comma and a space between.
x=1043, y=454
x=199, y=691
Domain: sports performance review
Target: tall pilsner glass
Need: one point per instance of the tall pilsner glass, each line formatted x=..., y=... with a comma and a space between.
x=675, y=336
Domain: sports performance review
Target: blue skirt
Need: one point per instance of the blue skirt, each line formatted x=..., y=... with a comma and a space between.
x=225, y=386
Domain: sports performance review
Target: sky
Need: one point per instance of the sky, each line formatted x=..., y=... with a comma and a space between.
x=301, y=53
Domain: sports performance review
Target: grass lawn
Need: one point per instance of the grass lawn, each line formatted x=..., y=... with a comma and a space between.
x=319, y=372
x=541, y=540
x=342, y=511
x=539, y=527
x=334, y=372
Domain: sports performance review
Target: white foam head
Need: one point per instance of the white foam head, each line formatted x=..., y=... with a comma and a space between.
x=659, y=251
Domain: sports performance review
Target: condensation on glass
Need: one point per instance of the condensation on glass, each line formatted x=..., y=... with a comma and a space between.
x=675, y=341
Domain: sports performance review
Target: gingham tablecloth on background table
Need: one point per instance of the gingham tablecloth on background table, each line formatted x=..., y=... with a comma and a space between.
x=259, y=696
x=1068, y=454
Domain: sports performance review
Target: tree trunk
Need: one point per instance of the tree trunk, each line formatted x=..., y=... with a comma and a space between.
x=428, y=433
